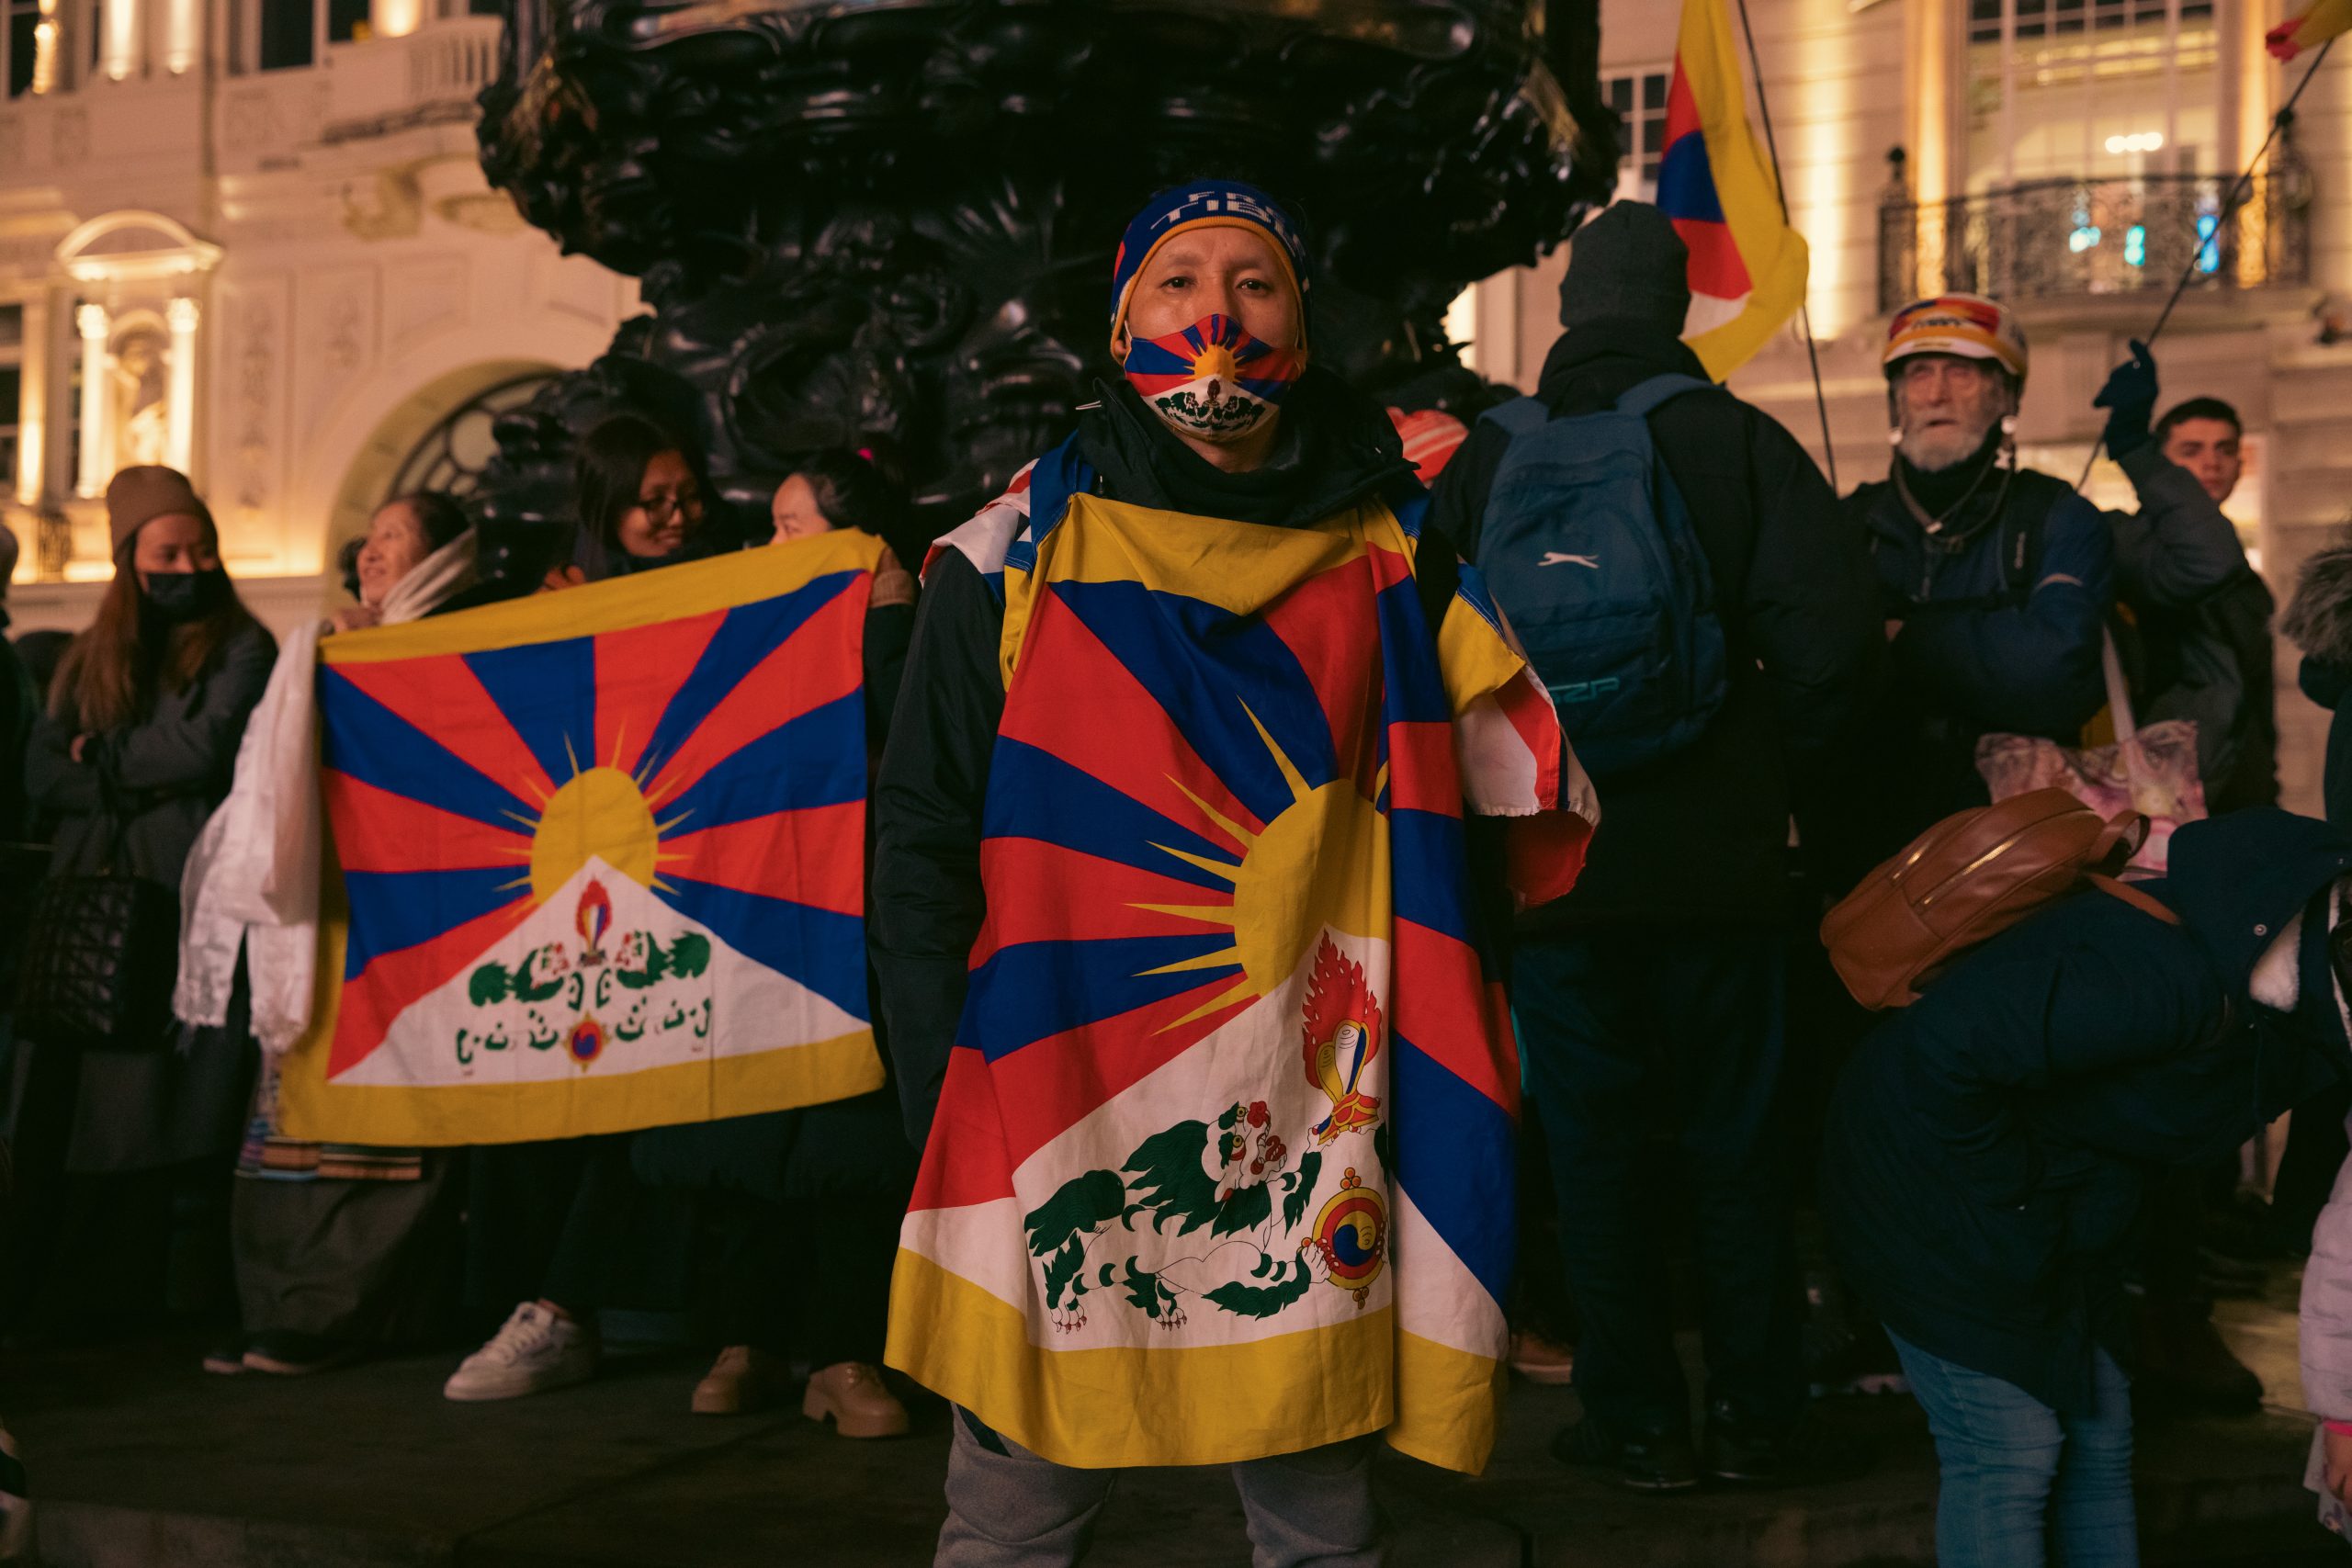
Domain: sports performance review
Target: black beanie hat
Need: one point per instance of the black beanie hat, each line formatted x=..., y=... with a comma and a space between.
x=1627, y=265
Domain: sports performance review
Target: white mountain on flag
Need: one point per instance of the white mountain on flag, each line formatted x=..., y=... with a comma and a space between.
x=603, y=978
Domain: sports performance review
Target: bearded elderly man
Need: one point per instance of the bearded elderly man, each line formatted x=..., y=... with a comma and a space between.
x=1995, y=581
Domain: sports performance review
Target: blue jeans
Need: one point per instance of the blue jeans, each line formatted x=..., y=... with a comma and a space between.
x=2024, y=1485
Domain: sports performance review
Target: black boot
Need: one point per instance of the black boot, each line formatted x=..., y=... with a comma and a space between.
x=1659, y=1460
x=1755, y=1453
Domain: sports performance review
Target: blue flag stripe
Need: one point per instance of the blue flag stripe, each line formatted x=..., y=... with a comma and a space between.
x=1211, y=670
x=820, y=948
x=371, y=743
x=394, y=910
x=1033, y=989
x=816, y=759
x=1455, y=1158
x=748, y=633
x=548, y=692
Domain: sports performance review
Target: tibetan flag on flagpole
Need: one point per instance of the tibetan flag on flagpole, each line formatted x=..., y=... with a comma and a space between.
x=1748, y=267
x=597, y=858
x=2320, y=20
x=1223, y=1165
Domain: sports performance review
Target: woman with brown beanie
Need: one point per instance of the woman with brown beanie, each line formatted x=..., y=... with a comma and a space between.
x=134, y=750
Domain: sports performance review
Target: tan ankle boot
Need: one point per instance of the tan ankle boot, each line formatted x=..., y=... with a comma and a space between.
x=743, y=1380
x=852, y=1396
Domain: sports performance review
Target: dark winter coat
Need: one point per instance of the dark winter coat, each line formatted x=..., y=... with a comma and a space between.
x=1987, y=1148
x=1703, y=835
x=171, y=768
x=1984, y=646
x=2319, y=621
x=2196, y=640
x=135, y=1110
x=927, y=903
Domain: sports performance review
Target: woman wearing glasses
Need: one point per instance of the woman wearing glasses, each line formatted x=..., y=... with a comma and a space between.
x=639, y=494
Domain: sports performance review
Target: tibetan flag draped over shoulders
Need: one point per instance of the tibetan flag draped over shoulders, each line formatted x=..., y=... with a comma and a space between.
x=598, y=858
x=1222, y=1164
x=1748, y=267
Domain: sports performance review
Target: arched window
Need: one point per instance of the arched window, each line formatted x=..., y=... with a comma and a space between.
x=451, y=456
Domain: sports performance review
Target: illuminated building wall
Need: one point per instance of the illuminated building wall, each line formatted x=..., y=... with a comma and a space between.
x=253, y=239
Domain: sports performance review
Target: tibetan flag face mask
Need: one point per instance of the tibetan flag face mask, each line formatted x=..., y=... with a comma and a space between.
x=1212, y=380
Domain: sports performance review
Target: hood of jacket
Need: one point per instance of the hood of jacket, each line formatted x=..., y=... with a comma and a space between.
x=1335, y=448
x=2319, y=618
x=1590, y=366
x=2240, y=880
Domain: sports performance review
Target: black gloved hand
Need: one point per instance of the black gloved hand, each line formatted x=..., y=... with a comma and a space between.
x=2130, y=400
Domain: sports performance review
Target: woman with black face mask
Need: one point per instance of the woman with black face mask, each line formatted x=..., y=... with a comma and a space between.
x=134, y=750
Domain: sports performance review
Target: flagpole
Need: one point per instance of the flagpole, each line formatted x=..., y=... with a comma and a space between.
x=2238, y=193
x=1781, y=189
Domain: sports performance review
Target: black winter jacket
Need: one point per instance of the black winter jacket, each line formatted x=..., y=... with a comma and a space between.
x=1703, y=835
x=925, y=894
x=1987, y=1148
x=1987, y=645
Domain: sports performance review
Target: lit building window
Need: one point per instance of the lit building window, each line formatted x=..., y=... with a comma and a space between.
x=289, y=33
x=23, y=44
x=1639, y=98
x=2091, y=89
x=12, y=392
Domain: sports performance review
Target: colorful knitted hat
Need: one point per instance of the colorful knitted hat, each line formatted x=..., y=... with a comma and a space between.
x=1209, y=204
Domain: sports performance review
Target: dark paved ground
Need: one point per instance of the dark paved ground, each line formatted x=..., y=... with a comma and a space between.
x=139, y=1461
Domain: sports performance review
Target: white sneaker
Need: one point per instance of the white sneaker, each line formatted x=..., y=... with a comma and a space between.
x=535, y=1351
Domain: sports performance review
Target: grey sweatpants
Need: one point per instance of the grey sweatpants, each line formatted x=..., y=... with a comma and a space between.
x=1008, y=1509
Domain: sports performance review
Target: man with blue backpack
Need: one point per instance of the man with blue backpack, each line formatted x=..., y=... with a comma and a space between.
x=1671, y=560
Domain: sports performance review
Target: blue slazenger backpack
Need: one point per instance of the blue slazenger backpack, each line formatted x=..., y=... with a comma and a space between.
x=1589, y=548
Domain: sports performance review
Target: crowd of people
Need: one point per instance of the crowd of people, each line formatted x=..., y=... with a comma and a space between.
x=1773, y=688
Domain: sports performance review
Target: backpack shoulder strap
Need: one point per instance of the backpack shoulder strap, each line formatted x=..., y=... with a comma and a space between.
x=1519, y=416
x=1644, y=397
x=2146, y=903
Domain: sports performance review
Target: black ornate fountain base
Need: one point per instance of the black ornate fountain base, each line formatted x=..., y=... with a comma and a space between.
x=889, y=223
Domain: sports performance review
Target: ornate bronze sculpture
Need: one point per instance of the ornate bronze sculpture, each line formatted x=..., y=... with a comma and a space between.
x=888, y=223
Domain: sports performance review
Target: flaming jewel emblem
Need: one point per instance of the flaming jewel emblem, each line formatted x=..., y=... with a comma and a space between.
x=594, y=918
x=1341, y=1035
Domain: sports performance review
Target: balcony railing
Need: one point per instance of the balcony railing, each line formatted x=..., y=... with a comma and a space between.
x=2055, y=239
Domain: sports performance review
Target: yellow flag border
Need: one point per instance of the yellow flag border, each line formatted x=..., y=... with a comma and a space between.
x=1778, y=260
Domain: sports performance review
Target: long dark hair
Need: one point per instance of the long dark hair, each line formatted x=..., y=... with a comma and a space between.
x=113, y=670
x=854, y=489
x=610, y=466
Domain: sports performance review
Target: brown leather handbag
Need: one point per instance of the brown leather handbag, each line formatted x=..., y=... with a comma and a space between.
x=1967, y=879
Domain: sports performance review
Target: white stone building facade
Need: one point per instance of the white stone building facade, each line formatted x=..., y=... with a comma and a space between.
x=252, y=238
x=2080, y=150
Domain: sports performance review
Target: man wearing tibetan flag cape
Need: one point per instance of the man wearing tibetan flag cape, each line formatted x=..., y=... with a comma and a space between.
x=1221, y=1166
x=600, y=858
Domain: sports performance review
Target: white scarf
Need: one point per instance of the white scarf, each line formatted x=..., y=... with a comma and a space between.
x=252, y=881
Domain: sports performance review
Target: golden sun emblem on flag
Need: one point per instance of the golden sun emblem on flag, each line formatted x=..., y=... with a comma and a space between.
x=1322, y=863
x=603, y=811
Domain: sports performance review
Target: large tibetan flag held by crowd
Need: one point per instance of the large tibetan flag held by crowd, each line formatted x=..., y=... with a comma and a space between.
x=1222, y=1164
x=599, y=858
x=1748, y=267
